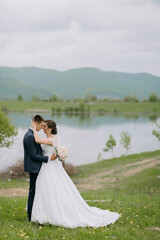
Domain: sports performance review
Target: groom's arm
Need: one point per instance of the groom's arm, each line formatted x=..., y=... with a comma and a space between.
x=32, y=151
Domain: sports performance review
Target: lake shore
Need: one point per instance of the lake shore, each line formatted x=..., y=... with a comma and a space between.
x=121, y=167
x=148, y=108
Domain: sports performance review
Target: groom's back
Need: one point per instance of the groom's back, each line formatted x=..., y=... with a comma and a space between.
x=31, y=146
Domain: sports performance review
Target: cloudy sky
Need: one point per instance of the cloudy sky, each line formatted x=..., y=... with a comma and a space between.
x=118, y=35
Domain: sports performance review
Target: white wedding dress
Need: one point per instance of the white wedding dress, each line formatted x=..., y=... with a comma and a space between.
x=58, y=202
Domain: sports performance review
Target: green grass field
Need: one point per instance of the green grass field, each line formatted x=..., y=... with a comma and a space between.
x=136, y=197
x=108, y=107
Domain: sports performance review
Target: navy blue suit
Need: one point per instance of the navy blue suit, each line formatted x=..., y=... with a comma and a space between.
x=32, y=163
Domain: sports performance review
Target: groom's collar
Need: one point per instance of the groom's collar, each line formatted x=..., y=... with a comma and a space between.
x=31, y=129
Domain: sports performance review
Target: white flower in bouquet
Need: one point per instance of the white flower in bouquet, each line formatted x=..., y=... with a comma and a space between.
x=62, y=153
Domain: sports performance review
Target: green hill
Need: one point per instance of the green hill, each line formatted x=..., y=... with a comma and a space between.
x=76, y=83
x=10, y=88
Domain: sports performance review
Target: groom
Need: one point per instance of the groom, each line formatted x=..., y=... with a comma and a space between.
x=33, y=159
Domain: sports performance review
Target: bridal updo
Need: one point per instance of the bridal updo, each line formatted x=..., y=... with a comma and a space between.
x=51, y=124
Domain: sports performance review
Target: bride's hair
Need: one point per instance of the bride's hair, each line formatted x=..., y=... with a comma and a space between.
x=51, y=124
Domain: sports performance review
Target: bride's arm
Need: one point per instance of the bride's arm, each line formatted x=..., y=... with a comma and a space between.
x=40, y=140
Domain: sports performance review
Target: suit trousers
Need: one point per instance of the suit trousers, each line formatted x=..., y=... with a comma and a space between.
x=32, y=187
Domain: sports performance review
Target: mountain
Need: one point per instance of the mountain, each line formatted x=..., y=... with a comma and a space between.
x=75, y=83
x=10, y=88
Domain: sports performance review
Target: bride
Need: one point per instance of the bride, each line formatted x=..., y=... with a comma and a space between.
x=57, y=200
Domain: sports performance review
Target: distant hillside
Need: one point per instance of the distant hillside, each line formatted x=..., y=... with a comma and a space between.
x=75, y=83
x=10, y=88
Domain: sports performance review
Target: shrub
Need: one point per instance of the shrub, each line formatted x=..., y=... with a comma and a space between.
x=144, y=100
x=130, y=99
x=110, y=144
x=20, y=98
x=70, y=169
x=4, y=109
x=53, y=109
x=59, y=109
x=76, y=109
x=156, y=132
x=15, y=171
x=153, y=97
x=125, y=140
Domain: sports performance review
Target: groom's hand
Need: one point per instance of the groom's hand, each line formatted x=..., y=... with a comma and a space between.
x=53, y=156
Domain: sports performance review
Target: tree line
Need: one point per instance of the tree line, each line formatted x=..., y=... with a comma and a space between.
x=92, y=98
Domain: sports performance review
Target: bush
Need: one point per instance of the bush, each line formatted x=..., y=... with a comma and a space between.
x=110, y=144
x=59, y=109
x=70, y=169
x=53, y=109
x=144, y=100
x=156, y=132
x=90, y=98
x=53, y=98
x=20, y=98
x=68, y=109
x=115, y=110
x=35, y=98
x=101, y=110
x=106, y=100
x=130, y=99
x=125, y=140
x=76, y=109
x=153, y=97
x=15, y=171
x=4, y=109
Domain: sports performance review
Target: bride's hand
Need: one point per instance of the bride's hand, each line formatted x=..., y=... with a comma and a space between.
x=33, y=125
x=53, y=157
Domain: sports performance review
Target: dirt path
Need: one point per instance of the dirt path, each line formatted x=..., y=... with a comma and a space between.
x=13, y=192
x=97, y=180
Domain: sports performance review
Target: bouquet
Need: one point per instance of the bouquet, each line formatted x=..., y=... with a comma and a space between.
x=62, y=153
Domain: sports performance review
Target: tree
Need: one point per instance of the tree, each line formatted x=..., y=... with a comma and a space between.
x=156, y=132
x=99, y=157
x=90, y=98
x=110, y=144
x=53, y=98
x=125, y=140
x=7, y=131
x=130, y=99
x=153, y=97
x=93, y=98
x=20, y=98
x=35, y=98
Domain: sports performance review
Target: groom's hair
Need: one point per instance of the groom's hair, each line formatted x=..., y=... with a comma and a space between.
x=38, y=118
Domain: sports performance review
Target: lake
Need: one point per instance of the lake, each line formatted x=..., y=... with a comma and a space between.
x=85, y=136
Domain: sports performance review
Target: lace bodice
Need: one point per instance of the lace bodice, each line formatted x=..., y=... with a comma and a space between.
x=47, y=149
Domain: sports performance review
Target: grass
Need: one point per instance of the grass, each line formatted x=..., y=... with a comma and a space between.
x=86, y=170
x=137, y=198
x=13, y=183
x=108, y=107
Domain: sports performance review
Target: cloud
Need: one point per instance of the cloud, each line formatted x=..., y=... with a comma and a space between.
x=118, y=35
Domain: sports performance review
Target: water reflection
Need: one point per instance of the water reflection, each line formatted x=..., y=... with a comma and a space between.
x=153, y=117
x=89, y=120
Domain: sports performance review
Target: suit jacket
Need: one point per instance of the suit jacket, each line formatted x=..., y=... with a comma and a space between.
x=32, y=154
